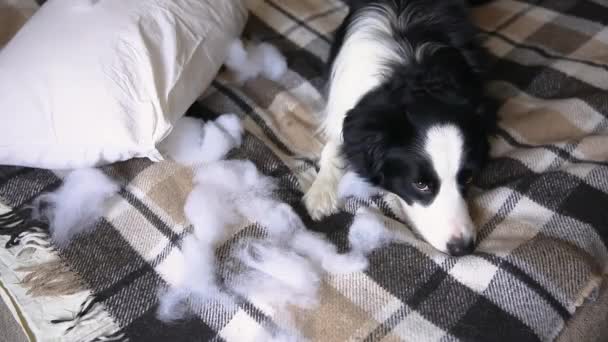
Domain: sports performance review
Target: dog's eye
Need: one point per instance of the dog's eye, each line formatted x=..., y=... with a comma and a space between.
x=468, y=180
x=422, y=186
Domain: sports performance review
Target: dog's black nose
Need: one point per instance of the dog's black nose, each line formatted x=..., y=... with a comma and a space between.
x=459, y=246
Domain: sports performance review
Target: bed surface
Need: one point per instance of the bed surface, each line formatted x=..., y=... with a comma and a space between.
x=540, y=204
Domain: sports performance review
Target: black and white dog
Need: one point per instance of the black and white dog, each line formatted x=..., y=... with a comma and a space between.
x=405, y=111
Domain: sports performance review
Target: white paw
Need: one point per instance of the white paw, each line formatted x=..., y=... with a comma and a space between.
x=321, y=200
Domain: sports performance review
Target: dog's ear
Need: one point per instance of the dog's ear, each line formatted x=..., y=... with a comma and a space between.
x=369, y=131
x=447, y=76
x=487, y=114
x=364, y=143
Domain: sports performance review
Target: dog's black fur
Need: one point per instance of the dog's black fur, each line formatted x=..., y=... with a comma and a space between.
x=382, y=134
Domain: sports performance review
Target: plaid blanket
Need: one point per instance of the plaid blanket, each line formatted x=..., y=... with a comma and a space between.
x=540, y=205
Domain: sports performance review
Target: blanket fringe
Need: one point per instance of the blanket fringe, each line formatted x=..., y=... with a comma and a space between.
x=17, y=223
x=117, y=336
x=89, y=309
x=52, y=278
x=14, y=214
x=35, y=241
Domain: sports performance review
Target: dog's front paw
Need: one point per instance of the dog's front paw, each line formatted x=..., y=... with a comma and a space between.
x=321, y=200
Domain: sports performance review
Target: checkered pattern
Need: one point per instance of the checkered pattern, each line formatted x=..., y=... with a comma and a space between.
x=540, y=204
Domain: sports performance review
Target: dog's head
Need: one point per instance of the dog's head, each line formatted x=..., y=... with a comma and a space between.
x=424, y=137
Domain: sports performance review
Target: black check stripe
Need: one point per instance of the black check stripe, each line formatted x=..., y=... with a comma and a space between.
x=530, y=283
x=554, y=85
x=543, y=52
x=485, y=321
x=302, y=23
x=23, y=186
x=553, y=148
x=305, y=63
x=307, y=20
x=154, y=220
x=231, y=94
x=514, y=17
x=585, y=9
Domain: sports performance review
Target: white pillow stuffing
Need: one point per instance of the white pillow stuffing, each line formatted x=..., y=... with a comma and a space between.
x=86, y=83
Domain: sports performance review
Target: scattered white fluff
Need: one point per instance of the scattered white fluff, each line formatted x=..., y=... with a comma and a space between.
x=237, y=188
x=238, y=61
x=279, y=219
x=225, y=194
x=76, y=205
x=172, y=304
x=213, y=207
x=250, y=62
x=196, y=282
x=277, y=277
x=282, y=269
x=230, y=192
x=232, y=125
x=193, y=141
x=200, y=271
x=272, y=62
x=210, y=212
x=367, y=232
x=240, y=178
x=352, y=185
x=324, y=254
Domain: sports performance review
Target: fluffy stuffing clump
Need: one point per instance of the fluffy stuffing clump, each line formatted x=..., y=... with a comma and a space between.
x=216, y=207
x=351, y=185
x=276, y=276
x=325, y=255
x=194, y=282
x=282, y=269
x=77, y=205
x=255, y=60
x=193, y=142
x=367, y=233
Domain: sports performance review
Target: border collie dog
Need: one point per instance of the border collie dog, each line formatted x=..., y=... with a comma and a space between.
x=405, y=111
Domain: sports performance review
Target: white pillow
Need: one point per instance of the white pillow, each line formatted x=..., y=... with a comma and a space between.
x=90, y=82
